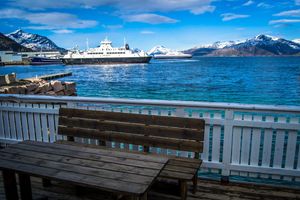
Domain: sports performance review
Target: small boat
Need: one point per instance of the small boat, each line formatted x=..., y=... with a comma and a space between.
x=106, y=54
x=39, y=60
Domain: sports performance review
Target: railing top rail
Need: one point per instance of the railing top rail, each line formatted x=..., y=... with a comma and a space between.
x=145, y=102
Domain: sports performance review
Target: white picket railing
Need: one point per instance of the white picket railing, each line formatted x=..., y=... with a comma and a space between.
x=240, y=139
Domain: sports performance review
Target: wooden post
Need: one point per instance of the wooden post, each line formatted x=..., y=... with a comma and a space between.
x=183, y=189
x=144, y=196
x=146, y=149
x=195, y=178
x=102, y=143
x=25, y=187
x=70, y=138
x=195, y=181
x=10, y=185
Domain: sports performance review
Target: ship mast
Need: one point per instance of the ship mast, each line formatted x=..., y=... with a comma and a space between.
x=87, y=43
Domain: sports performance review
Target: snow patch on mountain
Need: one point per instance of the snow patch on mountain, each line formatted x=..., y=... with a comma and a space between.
x=262, y=37
x=218, y=45
x=296, y=41
x=33, y=41
x=162, y=50
x=267, y=40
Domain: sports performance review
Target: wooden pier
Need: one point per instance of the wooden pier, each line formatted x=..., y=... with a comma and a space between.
x=53, y=76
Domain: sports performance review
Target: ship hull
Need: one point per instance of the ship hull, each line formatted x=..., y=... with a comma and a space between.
x=43, y=61
x=172, y=57
x=103, y=61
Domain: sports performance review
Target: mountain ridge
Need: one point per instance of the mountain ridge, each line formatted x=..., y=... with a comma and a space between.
x=34, y=41
x=261, y=45
x=7, y=44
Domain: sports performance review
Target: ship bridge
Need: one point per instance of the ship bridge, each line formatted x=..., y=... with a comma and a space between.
x=106, y=44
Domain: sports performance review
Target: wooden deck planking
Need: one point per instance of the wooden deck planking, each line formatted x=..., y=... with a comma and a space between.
x=209, y=190
x=47, y=161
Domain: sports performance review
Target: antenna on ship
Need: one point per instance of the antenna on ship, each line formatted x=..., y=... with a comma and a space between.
x=124, y=41
x=87, y=43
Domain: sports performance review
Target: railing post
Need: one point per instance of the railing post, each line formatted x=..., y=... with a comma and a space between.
x=71, y=105
x=179, y=112
x=227, y=145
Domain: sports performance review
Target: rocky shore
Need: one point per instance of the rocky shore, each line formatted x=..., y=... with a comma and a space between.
x=35, y=86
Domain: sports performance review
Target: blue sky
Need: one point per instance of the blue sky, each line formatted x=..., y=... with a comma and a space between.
x=177, y=24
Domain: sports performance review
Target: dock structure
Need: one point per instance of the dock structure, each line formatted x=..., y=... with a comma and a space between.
x=53, y=76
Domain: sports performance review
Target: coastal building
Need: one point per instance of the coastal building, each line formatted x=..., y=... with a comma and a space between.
x=10, y=57
x=47, y=54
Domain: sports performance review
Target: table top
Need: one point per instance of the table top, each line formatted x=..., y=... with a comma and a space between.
x=106, y=169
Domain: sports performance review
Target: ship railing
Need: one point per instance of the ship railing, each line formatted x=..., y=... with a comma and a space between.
x=257, y=141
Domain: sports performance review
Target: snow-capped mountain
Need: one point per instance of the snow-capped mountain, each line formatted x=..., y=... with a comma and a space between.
x=261, y=45
x=7, y=44
x=218, y=45
x=34, y=41
x=296, y=41
x=161, y=50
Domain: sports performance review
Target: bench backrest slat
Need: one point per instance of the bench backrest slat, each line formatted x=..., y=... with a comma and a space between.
x=185, y=134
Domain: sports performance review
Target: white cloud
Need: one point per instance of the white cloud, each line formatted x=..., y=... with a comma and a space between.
x=137, y=6
x=203, y=9
x=149, y=18
x=248, y=3
x=289, y=13
x=284, y=21
x=48, y=20
x=264, y=5
x=232, y=16
x=147, y=32
x=115, y=26
x=63, y=31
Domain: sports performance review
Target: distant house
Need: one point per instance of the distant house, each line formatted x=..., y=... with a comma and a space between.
x=43, y=54
x=10, y=56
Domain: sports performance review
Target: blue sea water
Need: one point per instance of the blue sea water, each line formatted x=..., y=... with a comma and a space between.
x=259, y=80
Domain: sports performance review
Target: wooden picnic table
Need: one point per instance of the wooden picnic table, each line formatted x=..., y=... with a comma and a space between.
x=114, y=171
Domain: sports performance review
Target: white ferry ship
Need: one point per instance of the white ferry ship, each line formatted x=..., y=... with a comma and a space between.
x=106, y=54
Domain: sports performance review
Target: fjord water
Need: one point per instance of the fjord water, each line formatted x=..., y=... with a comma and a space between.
x=258, y=80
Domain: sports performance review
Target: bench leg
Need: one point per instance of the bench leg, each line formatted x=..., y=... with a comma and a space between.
x=46, y=182
x=10, y=185
x=183, y=189
x=25, y=187
x=143, y=197
x=79, y=190
x=195, y=181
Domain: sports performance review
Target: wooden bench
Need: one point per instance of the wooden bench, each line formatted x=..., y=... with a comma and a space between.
x=173, y=133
